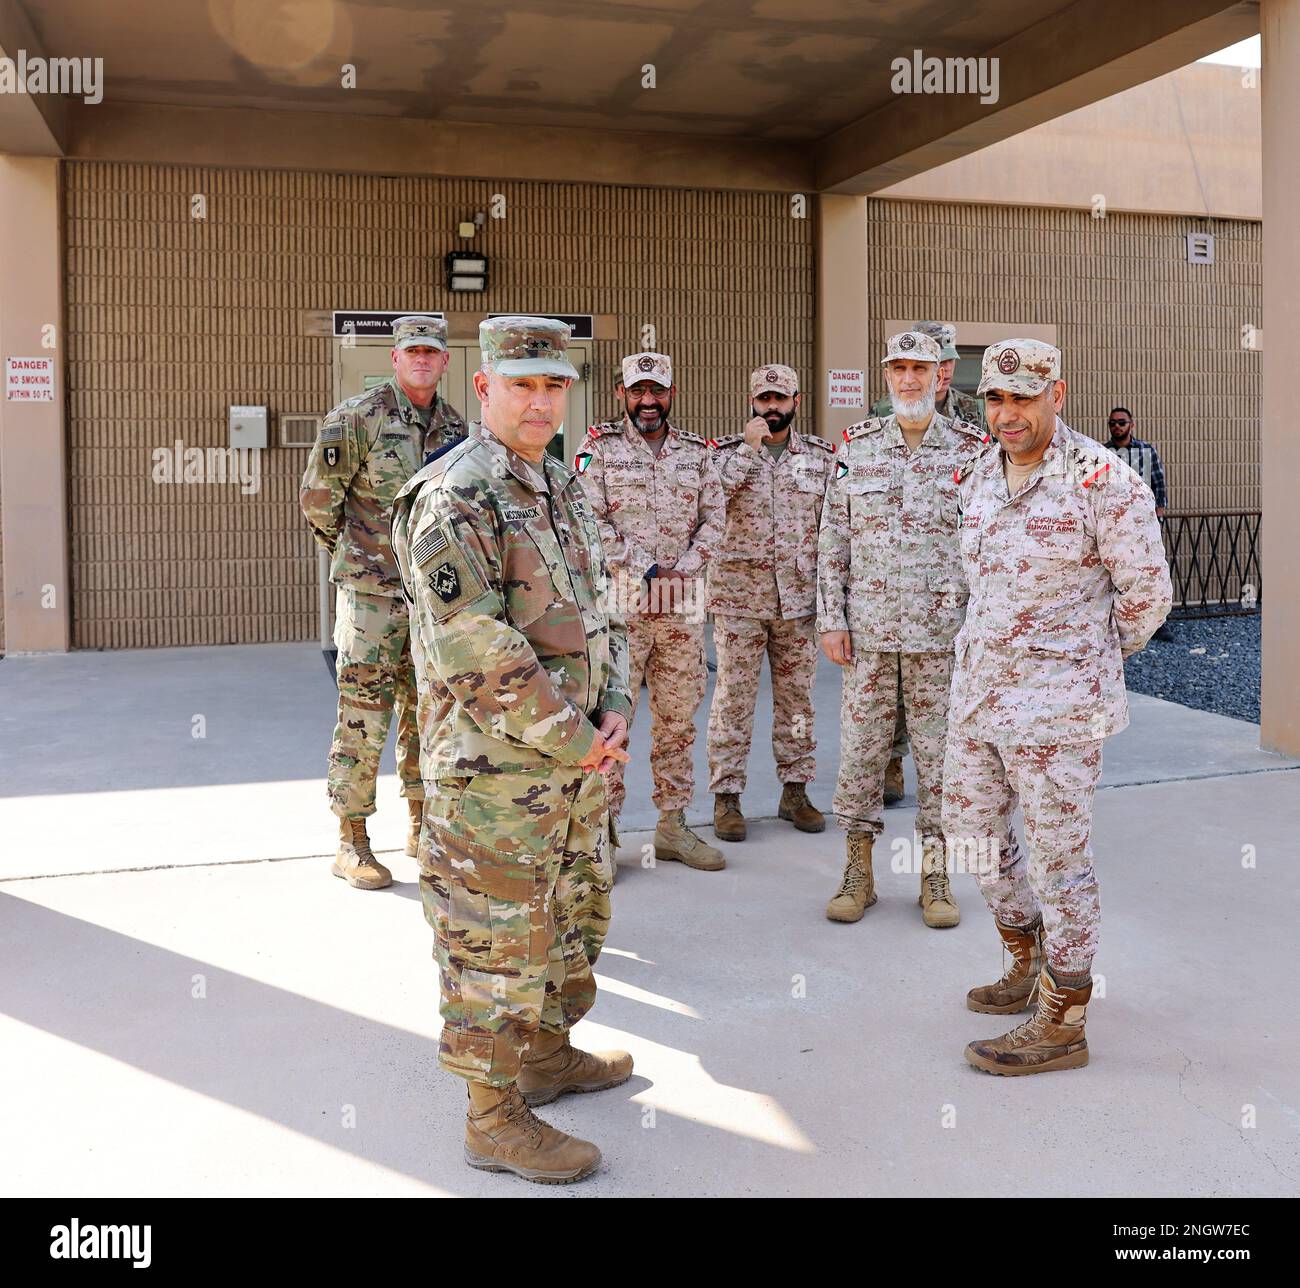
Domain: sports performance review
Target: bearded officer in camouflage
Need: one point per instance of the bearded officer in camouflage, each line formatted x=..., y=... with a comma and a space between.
x=763, y=597
x=368, y=447
x=524, y=703
x=890, y=601
x=1068, y=577
x=661, y=514
x=956, y=405
x=949, y=401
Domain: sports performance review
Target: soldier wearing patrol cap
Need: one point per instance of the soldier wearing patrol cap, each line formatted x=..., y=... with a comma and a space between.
x=890, y=601
x=661, y=513
x=367, y=448
x=763, y=596
x=522, y=672
x=1067, y=574
x=956, y=405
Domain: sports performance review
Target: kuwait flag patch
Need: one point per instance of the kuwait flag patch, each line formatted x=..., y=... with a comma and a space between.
x=841, y=469
x=581, y=461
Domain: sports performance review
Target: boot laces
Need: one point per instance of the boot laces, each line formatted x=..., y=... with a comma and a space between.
x=1035, y=1027
x=361, y=842
x=855, y=878
x=518, y=1113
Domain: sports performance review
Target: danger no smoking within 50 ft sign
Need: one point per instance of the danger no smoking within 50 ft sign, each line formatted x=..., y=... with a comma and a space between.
x=29, y=379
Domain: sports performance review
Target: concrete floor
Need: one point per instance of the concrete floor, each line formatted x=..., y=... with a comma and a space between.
x=204, y=1010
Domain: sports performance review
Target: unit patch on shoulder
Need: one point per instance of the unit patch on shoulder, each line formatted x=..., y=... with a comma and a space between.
x=582, y=460
x=841, y=469
x=444, y=581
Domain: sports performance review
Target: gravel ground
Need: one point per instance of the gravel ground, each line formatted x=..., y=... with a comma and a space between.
x=1212, y=664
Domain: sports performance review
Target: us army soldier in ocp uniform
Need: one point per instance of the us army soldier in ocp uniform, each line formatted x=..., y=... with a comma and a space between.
x=1068, y=577
x=763, y=596
x=368, y=447
x=522, y=674
x=661, y=514
x=891, y=597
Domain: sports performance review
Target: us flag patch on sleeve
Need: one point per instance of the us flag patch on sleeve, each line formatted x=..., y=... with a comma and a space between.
x=428, y=547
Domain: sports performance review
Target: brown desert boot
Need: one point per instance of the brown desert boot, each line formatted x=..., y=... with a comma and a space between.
x=894, y=781
x=858, y=889
x=796, y=808
x=1052, y=1039
x=354, y=861
x=1017, y=989
x=503, y=1135
x=555, y=1066
x=674, y=840
x=938, y=907
x=415, y=810
x=728, y=821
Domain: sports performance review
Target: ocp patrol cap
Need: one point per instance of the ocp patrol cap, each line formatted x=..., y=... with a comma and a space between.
x=526, y=346
x=419, y=328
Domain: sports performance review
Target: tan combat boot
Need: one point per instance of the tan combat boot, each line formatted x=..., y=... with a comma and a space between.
x=354, y=861
x=858, y=889
x=894, y=781
x=1016, y=990
x=1051, y=1039
x=728, y=821
x=674, y=840
x=938, y=907
x=415, y=810
x=555, y=1066
x=503, y=1135
x=796, y=808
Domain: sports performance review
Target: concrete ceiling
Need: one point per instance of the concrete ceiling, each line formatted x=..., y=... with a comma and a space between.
x=759, y=93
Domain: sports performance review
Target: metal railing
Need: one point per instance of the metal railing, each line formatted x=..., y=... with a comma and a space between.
x=1214, y=561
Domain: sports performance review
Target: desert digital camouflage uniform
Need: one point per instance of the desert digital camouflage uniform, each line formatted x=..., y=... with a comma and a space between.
x=367, y=448
x=517, y=655
x=763, y=596
x=664, y=511
x=889, y=573
x=1067, y=578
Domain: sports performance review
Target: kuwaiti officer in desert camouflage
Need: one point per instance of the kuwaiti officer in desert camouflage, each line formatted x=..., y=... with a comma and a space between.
x=522, y=672
x=367, y=448
x=1067, y=573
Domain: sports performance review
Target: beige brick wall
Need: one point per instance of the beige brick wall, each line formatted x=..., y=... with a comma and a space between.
x=171, y=319
x=1136, y=323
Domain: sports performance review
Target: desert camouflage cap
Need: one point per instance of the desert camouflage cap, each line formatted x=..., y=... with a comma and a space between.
x=419, y=328
x=774, y=376
x=911, y=346
x=647, y=366
x=1020, y=366
x=525, y=346
x=944, y=334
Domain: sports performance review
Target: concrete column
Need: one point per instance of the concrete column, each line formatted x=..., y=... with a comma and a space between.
x=841, y=304
x=1280, y=457
x=33, y=446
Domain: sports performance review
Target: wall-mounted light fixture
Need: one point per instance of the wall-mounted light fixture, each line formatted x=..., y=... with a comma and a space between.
x=466, y=272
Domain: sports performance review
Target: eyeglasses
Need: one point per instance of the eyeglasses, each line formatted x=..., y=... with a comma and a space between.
x=1117, y=424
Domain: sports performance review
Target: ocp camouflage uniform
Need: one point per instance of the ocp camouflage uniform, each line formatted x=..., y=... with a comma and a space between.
x=517, y=656
x=763, y=596
x=367, y=448
x=666, y=511
x=1067, y=578
x=889, y=573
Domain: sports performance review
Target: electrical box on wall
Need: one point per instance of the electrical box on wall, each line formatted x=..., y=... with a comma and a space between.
x=248, y=427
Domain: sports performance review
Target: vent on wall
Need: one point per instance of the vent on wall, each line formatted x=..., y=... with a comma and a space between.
x=298, y=429
x=1200, y=248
